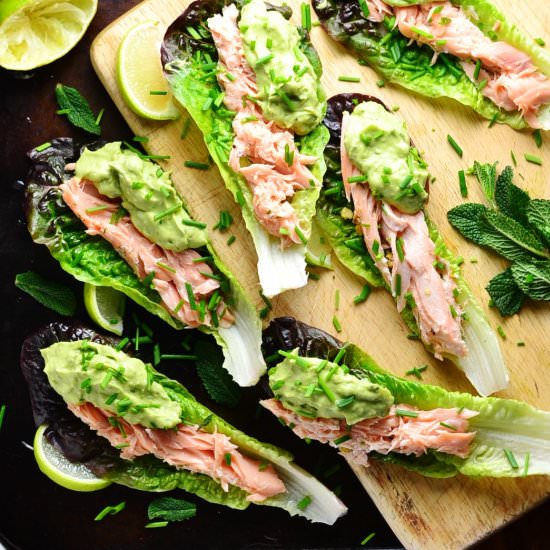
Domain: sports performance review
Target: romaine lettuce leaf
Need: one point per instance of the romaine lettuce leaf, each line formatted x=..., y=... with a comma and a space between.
x=193, y=87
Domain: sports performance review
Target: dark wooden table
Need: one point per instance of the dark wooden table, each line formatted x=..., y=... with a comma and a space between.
x=38, y=514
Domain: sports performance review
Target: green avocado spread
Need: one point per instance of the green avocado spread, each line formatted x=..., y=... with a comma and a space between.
x=289, y=91
x=316, y=388
x=378, y=145
x=84, y=371
x=147, y=194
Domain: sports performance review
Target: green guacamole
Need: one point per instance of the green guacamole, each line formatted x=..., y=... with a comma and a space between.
x=289, y=92
x=84, y=371
x=378, y=145
x=147, y=194
x=318, y=388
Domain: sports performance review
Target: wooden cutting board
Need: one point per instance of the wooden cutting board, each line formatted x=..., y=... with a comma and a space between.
x=424, y=513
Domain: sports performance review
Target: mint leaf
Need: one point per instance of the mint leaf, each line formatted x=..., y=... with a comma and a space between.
x=217, y=381
x=171, y=509
x=51, y=294
x=77, y=109
x=467, y=219
x=533, y=278
x=510, y=199
x=509, y=238
x=538, y=215
x=505, y=293
x=486, y=175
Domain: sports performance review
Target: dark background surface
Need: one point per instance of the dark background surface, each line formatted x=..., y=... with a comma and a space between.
x=36, y=513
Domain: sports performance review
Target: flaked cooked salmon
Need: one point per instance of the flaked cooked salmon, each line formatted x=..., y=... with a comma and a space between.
x=170, y=272
x=512, y=80
x=433, y=303
x=186, y=447
x=405, y=430
x=264, y=154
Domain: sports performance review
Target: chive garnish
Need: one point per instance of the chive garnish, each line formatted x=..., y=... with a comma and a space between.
x=342, y=439
x=520, y=344
x=265, y=59
x=98, y=208
x=511, y=459
x=240, y=198
x=166, y=267
x=381, y=83
x=111, y=399
x=342, y=403
x=156, y=355
x=178, y=356
x=533, y=159
x=462, y=183
x=345, y=78
x=231, y=240
x=493, y=120
x=501, y=332
x=364, y=8
x=417, y=371
x=2, y=414
x=42, y=147
x=526, y=464
x=306, y=501
x=158, y=92
x=230, y=77
x=454, y=145
x=300, y=234
x=537, y=136
x=193, y=223
x=286, y=100
x=122, y=343
x=540, y=42
x=404, y=412
x=191, y=296
x=110, y=510
x=363, y=295
x=422, y=32
x=399, y=248
x=227, y=458
x=357, y=179
x=405, y=182
x=289, y=155
x=336, y=324
x=482, y=84
x=202, y=258
x=367, y=538
x=284, y=231
x=398, y=284
x=149, y=279
x=193, y=33
x=449, y=426
x=185, y=128
x=166, y=212
x=477, y=69
x=155, y=524
x=306, y=17
x=321, y=366
x=513, y=158
x=196, y=165
x=140, y=139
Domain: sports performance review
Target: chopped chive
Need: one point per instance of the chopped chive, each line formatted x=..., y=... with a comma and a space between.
x=99, y=116
x=110, y=510
x=367, y=538
x=319, y=368
x=158, y=92
x=167, y=212
x=540, y=42
x=306, y=501
x=358, y=179
x=363, y=295
x=2, y=414
x=156, y=355
x=345, y=78
x=336, y=324
x=526, y=464
x=493, y=120
x=96, y=208
x=533, y=159
x=537, y=136
x=306, y=17
x=62, y=111
x=231, y=240
x=323, y=384
x=155, y=524
x=501, y=332
x=289, y=155
x=196, y=165
x=240, y=198
x=284, y=231
x=364, y=8
x=149, y=279
x=265, y=59
x=178, y=356
x=398, y=284
x=520, y=344
x=202, y=259
x=190, y=296
x=441, y=42
x=122, y=343
x=477, y=69
x=405, y=182
x=140, y=139
x=194, y=34
x=381, y=83
x=230, y=77
x=227, y=458
x=300, y=234
x=185, y=128
x=43, y=147
x=449, y=426
x=399, y=248
x=342, y=403
x=111, y=399
x=482, y=84
x=404, y=412
x=340, y=354
x=286, y=100
x=454, y=145
x=193, y=223
x=462, y=183
x=514, y=160
x=342, y=439
x=207, y=104
x=249, y=119
x=417, y=371
x=225, y=221
x=511, y=459
x=422, y=32
x=166, y=267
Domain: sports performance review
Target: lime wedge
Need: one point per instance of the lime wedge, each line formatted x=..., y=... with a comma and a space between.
x=36, y=32
x=105, y=306
x=70, y=475
x=139, y=73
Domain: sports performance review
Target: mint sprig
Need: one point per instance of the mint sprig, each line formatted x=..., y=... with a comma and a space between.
x=51, y=294
x=77, y=109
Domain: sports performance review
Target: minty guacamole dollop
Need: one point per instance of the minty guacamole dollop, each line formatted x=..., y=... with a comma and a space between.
x=147, y=194
x=289, y=91
x=86, y=371
x=321, y=389
x=378, y=145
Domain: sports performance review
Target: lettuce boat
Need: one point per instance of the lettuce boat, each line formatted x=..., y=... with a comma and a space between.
x=462, y=49
x=337, y=394
x=375, y=222
x=148, y=457
x=158, y=256
x=250, y=80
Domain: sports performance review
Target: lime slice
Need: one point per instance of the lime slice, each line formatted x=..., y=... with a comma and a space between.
x=139, y=73
x=36, y=32
x=105, y=306
x=64, y=472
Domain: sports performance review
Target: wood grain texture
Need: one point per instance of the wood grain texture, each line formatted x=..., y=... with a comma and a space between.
x=424, y=513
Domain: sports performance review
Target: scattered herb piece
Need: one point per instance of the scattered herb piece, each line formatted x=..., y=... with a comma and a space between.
x=511, y=459
x=43, y=147
x=231, y=240
x=417, y=371
x=336, y=324
x=196, y=165
x=306, y=501
x=501, y=332
x=462, y=183
x=110, y=510
x=345, y=78
x=537, y=136
x=363, y=295
x=540, y=42
x=533, y=159
x=526, y=464
x=306, y=16
x=77, y=109
x=2, y=414
x=404, y=412
x=51, y=294
x=368, y=538
x=455, y=145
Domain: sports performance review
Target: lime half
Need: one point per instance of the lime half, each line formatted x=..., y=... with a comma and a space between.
x=36, y=32
x=140, y=76
x=105, y=306
x=53, y=464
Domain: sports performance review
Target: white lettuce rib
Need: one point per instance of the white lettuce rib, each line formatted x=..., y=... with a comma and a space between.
x=325, y=506
x=483, y=365
x=279, y=269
